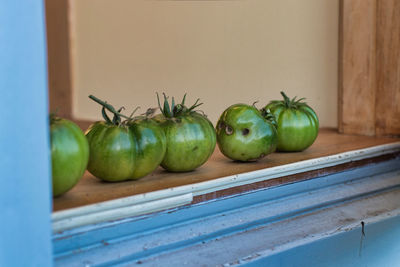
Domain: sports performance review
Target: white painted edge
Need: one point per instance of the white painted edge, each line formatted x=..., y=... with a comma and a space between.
x=177, y=196
x=121, y=212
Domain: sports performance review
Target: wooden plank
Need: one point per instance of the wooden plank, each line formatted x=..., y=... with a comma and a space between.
x=292, y=178
x=60, y=21
x=357, y=67
x=91, y=190
x=58, y=53
x=388, y=68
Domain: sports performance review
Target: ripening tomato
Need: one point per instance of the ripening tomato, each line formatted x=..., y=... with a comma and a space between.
x=124, y=150
x=297, y=123
x=69, y=154
x=190, y=136
x=245, y=134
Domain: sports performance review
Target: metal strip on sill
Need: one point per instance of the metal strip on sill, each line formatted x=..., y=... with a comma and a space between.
x=177, y=196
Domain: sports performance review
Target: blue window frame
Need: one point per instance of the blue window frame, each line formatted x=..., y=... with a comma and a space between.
x=25, y=201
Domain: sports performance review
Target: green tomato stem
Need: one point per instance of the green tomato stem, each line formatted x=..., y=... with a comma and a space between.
x=109, y=108
x=105, y=116
x=171, y=111
x=53, y=118
x=286, y=99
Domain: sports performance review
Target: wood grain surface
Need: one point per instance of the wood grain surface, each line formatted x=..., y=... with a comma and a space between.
x=357, y=68
x=58, y=57
x=369, y=67
x=91, y=190
x=388, y=68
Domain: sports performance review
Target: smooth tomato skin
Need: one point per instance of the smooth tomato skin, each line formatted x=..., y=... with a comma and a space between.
x=112, y=152
x=119, y=153
x=244, y=134
x=69, y=154
x=297, y=128
x=191, y=141
x=151, y=145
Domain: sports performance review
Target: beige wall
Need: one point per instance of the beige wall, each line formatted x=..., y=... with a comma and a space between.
x=223, y=52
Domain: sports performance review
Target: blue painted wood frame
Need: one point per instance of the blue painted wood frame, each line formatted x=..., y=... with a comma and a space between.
x=378, y=246
x=254, y=228
x=25, y=192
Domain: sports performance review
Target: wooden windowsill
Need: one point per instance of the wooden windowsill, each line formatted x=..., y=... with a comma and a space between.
x=91, y=190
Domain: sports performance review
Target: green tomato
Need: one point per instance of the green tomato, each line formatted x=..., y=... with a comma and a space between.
x=69, y=154
x=151, y=145
x=244, y=134
x=190, y=137
x=125, y=150
x=297, y=123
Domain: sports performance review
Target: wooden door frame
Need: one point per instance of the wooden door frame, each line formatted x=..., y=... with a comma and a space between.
x=369, y=67
x=60, y=46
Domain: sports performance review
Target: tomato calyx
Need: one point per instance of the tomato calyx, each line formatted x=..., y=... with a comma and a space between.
x=174, y=111
x=53, y=117
x=290, y=103
x=267, y=114
x=117, y=118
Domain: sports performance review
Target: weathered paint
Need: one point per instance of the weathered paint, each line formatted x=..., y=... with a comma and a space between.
x=241, y=229
x=25, y=192
x=378, y=246
x=92, y=234
x=177, y=196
